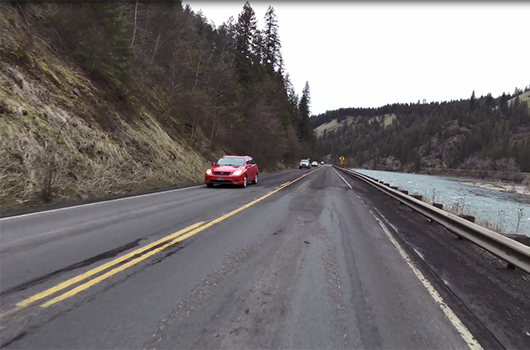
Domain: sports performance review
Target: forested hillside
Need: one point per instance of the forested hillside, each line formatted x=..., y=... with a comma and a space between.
x=100, y=97
x=483, y=134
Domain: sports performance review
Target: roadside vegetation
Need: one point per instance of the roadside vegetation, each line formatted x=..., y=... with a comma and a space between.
x=107, y=97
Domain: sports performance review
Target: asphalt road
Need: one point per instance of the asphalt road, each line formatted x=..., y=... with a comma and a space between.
x=492, y=300
x=296, y=261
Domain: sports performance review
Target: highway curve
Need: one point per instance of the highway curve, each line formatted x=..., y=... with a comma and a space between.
x=296, y=261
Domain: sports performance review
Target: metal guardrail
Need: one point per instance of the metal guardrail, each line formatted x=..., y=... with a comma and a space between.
x=513, y=252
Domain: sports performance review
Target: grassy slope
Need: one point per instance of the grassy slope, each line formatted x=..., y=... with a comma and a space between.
x=51, y=119
x=331, y=126
x=386, y=119
x=523, y=97
x=334, y=124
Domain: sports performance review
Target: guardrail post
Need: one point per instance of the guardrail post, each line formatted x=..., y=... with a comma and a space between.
x=405, y=191
x=438, y=205
x=470, y=218
x=394, y=187
x=417, y=196
x=510, y=266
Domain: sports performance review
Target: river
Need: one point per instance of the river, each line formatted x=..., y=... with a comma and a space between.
x=500, y=211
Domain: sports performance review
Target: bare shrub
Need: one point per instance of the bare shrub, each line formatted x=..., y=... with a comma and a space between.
x=47, y=168
x=509, y=169
x=520, y=214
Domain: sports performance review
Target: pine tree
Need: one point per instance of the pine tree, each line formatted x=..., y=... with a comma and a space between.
x=246, y=32
x=504, y=104
x=472, y=101
x=271, y=55
x=293, y=101
x=490, y=101
x=305, y=128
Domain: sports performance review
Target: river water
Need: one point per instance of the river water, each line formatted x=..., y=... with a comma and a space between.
x=502, y=211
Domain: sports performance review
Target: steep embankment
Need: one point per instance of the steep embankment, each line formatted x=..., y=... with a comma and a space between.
x=61, y=137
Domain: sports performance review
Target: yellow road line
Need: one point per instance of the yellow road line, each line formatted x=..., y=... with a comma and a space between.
x=466, y=335
x=150, y=253
x=112, y=272
x=103, y=267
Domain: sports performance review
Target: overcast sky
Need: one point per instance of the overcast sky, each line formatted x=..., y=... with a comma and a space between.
x=367, y=55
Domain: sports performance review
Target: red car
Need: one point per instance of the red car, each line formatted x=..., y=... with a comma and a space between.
x=232, y=170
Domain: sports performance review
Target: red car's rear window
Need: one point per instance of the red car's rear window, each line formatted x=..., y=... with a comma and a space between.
x=231, y=161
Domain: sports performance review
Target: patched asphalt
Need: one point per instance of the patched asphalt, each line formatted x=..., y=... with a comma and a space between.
x=306, y=267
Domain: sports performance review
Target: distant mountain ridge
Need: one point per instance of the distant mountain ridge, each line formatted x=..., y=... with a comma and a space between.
x=480, y=134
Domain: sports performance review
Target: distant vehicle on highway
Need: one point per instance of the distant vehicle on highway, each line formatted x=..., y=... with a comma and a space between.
x=232, y=170
x=315, y=163
x=322, y=163
x=304, y=163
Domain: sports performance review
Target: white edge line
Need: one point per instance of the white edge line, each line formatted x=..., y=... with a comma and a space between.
x=466, y=335
x=96, y=203
x=343, y=179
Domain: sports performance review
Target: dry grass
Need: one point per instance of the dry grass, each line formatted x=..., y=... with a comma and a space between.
x=48, y=132
x=461, y=207
x=522, y=97
x=385, y=119
x=388, y=119
x=331, y=126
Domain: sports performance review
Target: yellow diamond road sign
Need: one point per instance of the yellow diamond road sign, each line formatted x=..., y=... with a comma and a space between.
x=341, y=159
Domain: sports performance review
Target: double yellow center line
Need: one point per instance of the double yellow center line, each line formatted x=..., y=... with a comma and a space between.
x=134, y=257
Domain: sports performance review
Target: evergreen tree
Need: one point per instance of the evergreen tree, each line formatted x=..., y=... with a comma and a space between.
x=304, y=127
x=504, y=104
x=472, y=101
x=490, y=101
x=293, y=101
x=246, y=31
x=271, y=46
